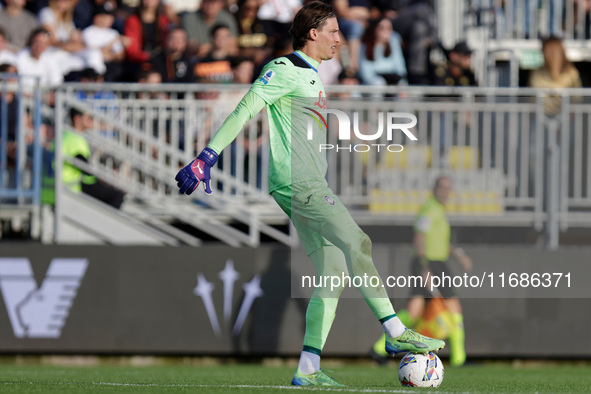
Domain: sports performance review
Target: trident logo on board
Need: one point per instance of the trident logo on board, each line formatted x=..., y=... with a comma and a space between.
x=229, y=276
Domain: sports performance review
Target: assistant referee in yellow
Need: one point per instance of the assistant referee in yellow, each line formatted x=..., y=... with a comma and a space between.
x=432, y=249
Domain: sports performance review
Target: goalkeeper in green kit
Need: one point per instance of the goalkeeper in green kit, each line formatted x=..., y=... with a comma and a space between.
x=292, y=92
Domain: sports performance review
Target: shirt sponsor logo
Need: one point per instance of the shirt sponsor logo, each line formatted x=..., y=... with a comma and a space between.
x=321, y=103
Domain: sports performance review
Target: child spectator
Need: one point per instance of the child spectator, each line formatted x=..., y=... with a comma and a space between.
x=100, y=35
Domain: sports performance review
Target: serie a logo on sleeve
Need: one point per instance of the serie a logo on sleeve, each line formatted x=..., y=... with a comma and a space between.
x=267, y=77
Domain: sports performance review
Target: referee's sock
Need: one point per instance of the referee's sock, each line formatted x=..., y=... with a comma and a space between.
x=456, y=341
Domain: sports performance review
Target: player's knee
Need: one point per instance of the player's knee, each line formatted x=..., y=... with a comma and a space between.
x=358, y=242
x=365, y=244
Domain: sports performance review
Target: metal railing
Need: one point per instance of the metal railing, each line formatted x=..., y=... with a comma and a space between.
x=512, y=164
x=144, y=134
x=530, y=19
x=505, y=34
x=20, y=153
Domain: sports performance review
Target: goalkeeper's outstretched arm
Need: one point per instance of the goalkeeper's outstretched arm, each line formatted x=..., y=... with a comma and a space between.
x=199, y=169
x=250, y=105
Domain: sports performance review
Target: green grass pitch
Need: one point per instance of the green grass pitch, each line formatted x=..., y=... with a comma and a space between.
x=256, y=378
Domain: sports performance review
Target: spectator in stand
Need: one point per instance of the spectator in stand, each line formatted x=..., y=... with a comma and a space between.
x=415, y=21
x=215, y=65
x=276, y=16
x=6, y=55
x=100, y=35
x=199, y=25
x=17, y=23
x=456, y=71
x=175, y=9
x=349, y=77
x=75, y=145
x=123, y=9
x=150, y=77
x=557, y=72
x=174, y=63
x=252, y=40
x=84, y=12
x=353, y=16
x=147, y=30
x=242, y=70
x=99, y=100
x=381, y=59
x=58, y=20
x=37, y=60
x=180, y=7
x=8, y=98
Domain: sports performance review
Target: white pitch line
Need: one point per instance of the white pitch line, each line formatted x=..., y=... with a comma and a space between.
x=262, y=387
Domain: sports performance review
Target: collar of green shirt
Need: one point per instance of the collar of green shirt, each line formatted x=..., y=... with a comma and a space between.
x=311, y=62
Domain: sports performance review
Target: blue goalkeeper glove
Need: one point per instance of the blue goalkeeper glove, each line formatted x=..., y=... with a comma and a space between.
x=196, y=172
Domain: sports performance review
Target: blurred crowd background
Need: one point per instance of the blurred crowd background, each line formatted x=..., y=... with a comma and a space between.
x=220, y=41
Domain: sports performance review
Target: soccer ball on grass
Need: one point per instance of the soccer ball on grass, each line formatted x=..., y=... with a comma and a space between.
x=420, y=370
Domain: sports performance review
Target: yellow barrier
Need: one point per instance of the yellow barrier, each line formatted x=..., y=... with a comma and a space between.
x=478, y=202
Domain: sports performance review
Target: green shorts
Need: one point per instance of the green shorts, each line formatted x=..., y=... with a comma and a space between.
x=309, y=206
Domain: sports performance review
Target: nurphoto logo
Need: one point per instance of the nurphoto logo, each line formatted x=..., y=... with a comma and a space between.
x=389, y=122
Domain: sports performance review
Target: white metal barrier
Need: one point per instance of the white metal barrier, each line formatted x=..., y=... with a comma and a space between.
x=530, y=19
x=509, y=32
x=20, y=167
x=511, y=164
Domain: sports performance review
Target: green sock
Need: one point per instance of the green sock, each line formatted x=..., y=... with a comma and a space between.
x=319, y=318
x=456, y=341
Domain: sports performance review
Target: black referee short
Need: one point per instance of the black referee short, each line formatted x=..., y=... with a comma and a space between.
x=437, y=268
